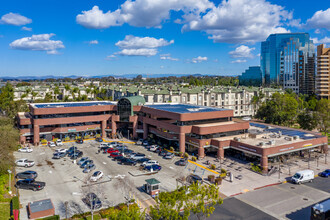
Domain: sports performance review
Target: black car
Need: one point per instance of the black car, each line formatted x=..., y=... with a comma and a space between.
x=194, y=179
x=58, y=155
x=29, y=174
x=120, y=158
x=104, y=149
x=30, y=184
x=92, y=201
x=76, y=155
x=162, y=153
x=71, y=150
x=80, y=141
x=126, y=161
x=182, y=162
x=141, y=160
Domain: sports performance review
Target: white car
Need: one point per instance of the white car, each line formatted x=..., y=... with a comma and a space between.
x=25, y=150
x=104, y=145
x=61, y=150
x=96, y=176
x=24, y=162
x=150, y=163
x=51, y=144
x=59, y=142
x=153, y=147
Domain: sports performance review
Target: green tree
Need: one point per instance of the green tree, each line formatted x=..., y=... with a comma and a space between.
x=323, y=115
x=307, y=120
x=56, y=92
x=196, y=198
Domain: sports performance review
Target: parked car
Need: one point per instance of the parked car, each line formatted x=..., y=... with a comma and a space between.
x=89, y=168
x=71, y=149
x=127, y=151
x=96, y=176
x=29, y=174
x=86, y=163
x=59, y=155
x=30, y=184
x=158, y=150
x=112, y=150
x=73, y=152
x=104, y=149
x=162, y=153
x=51, y=144
x=182, y=162
x=113, y=144
x=104, y=145
x=137, y=156
x=82, y=160
x=24, y=163
x=115, y=154
x=121, y=147
x=76, y=155
x=25, y=150
x=80, y=141
x=303, y=176
x=325, y=173
x=119, y=158
x=92, y=201
x=169, y=155
x=149, y=163
x=59, y=142
x=193, y=178
x=153, y=167
x=153, y=148
x=139, y=142
x=99, y=139
x=142, y=160
x=145, y=143
x=61, y=150
x=127, y=161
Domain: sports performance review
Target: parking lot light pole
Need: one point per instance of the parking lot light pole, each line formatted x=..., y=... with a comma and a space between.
x=9, y=182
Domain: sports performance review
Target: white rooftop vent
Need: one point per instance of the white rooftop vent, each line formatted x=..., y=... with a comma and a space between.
x=271, y=142
x=194, y=109
x=261, y=143
x=237, y=139
x=296, y=137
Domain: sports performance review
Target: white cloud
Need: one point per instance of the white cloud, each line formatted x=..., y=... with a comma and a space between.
x=26, y=29
x=111, y=57
x=168, y=57
x=141, y=46
x=39, y=42
x=162, y=67
x=321, y=19
x=141, y=13
x=131, y=42
x=325, y=40
x=317, y=31
x=93, y=42
x=238, y=61
x=15, y=19
x=242, y=51
x=198, y=59
x=147, y=52
x=240, y=21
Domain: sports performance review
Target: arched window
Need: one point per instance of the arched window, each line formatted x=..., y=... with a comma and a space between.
x=124, y=109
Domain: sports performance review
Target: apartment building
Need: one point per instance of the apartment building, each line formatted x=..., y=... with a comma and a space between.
x=323, y=72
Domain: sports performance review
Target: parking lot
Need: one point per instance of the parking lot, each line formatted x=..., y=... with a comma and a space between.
x=65, y=181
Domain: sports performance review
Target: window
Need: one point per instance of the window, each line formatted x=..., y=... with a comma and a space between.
x=124, y=109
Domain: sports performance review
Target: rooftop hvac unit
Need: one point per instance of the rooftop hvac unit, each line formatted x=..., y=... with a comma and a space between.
x=237, y=139
x=271, y=142
x=296, y=137
x=262, y=143
x=268, y=127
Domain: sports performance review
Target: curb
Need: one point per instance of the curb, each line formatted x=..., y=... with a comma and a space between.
x=197, y=164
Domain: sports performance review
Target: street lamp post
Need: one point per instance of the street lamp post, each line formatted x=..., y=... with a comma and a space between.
x=9, y=182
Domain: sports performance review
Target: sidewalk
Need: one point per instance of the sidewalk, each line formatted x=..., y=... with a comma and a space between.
x=251, y=180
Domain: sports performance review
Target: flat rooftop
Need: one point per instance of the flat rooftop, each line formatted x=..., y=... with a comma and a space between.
x=271, y=136
x=72, y=104
x=184, y=108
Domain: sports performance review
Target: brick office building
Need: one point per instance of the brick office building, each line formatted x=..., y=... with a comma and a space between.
x=191, y=128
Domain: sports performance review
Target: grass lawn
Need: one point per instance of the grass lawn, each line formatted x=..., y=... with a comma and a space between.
x=96, y=217
x=4, y=211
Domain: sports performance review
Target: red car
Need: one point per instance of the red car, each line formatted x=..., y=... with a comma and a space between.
x=111, y=150
x=115, y=154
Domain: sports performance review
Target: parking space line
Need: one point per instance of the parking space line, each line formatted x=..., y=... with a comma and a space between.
x=201, y=166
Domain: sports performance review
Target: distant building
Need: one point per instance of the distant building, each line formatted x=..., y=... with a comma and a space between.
x=251, y=77
x=289, y=60
x=323, y=72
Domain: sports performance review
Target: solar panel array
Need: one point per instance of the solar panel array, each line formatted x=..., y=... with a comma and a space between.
x=184, y=108
x=72, y=104
x=288, y=132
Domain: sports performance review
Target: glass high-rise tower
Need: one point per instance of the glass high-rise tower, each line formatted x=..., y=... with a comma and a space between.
x=289, y=60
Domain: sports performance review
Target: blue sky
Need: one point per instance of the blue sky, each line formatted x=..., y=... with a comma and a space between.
x=119, y=37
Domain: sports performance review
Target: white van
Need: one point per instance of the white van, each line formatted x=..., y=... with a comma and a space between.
x=303, y=176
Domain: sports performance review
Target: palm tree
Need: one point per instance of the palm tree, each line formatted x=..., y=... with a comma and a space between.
x=34, y=94
x=67, y=88
x=88, y=91
x=73, y=92
x=56, y=92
